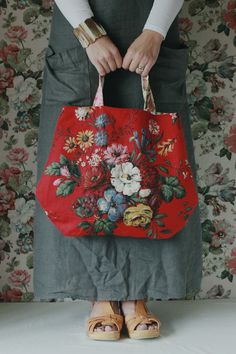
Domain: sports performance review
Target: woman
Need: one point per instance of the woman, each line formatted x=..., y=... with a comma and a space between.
x=116, y=274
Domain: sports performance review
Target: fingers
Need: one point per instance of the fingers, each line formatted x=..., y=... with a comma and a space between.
x=104, y=55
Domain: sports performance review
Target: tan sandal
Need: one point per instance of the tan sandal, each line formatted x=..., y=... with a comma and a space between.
x=109, y=318
x=142, y=315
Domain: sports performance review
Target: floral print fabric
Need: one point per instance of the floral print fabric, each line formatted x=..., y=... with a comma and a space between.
x=117, y=172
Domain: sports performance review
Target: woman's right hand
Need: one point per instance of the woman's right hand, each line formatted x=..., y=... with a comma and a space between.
x=104, y=55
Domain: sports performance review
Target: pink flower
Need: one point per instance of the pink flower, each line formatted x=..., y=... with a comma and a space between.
x=231, y=262
x=6, y=78
x=11, y=295
x=230, y=140
x=116, y=154
x=11, y=49
x=6, y=173
x=18, y=155
x=16, y=33
x=64, y=171
x=185, y=25
x=7, y=198
x=20, y=277
x=57, y=181
x=230, y=14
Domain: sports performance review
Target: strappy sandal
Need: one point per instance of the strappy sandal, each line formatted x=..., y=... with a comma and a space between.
x=142, y=315
x=109, y=318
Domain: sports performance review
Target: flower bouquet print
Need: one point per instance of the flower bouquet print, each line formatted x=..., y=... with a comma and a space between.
x=118, y=171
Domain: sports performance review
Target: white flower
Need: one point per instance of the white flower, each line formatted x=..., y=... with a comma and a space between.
x=82, y=112
x=22, y=214
x=95, y=160
x=24, y=95
x=144, y=192
x=126, y=178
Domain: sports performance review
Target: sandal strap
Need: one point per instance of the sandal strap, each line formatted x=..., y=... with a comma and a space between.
x=108, y=319
x=142, y=315
x=134, y=320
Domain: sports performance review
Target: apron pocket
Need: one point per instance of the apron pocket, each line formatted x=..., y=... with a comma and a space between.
x=67, y=77
x=168, y=78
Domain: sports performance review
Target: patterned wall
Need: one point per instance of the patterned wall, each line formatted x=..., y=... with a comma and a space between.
x=209, y=28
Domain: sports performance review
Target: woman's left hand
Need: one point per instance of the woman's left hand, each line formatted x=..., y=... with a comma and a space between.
x=143, y=52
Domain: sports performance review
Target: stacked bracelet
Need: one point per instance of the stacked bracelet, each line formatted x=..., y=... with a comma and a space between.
x=88, y=31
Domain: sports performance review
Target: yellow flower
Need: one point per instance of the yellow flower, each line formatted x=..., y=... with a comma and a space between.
x=70, y=144
x=85, y=139
x=166, y=146
x=139, y=215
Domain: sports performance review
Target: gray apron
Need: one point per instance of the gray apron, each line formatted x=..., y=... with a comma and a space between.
x=117, y=268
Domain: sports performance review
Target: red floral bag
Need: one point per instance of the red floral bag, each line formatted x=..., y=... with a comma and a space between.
x=118, y=171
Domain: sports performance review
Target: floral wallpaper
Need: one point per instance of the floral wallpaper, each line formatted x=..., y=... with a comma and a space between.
x=209, y=28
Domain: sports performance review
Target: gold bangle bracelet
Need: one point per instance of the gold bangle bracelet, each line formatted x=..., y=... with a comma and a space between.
x=88, y=31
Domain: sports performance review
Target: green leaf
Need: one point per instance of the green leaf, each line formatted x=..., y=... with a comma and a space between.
x=166, y=231
x=98, y=225
x=53, y=169
x=24, y=177
x=149, y=233
x=80, y=212
x=160, y=223
x=199, y=129
x=64, y=160
x=85, y=225
x=229, y=155
x=138, y=157
x=202, y=108
x=160, y=216
x=221, y=27
x=132, y=155
x=196, y=6
x=167, y=192
x=223, y=152
x=163, y=168
x=172, y=181
x=30, y=15
x=227, y=31
x=215, y=250
x=207, y=230
x=224, y=274
x=74, y=170
x=213, y=3
x=31, y=137
x=66, y=188
x=179, y=192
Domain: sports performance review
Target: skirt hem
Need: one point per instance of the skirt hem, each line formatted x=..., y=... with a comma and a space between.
x=151, y=295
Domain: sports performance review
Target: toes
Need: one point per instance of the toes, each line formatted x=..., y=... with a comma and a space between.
x=107, y=328
x=99, y=329
x=144, y=326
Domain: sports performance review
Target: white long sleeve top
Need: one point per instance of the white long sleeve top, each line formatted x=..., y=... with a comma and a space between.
x=160, y=18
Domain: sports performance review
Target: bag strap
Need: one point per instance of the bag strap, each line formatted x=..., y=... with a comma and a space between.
x=149, y=103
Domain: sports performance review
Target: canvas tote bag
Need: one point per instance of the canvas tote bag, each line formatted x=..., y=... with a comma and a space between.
x=118, y=171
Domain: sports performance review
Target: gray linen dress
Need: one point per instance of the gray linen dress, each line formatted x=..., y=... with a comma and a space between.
x=113, y=268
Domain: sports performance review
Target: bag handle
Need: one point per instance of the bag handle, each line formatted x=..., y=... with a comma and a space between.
x=149, y=103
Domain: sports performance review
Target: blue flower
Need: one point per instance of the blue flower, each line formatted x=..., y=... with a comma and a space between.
x=101, y=138
x=102, y=120
x=113, y=203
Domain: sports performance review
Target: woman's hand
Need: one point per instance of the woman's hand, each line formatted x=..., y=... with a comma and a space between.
x=143, y=52
x=104, y=55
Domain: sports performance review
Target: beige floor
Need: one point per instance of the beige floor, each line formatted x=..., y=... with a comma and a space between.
x=188, y=327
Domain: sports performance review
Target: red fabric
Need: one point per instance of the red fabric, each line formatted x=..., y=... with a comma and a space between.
x=117, y=172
